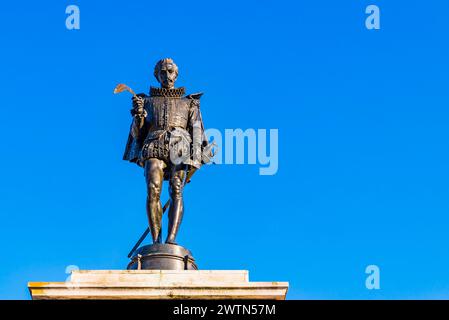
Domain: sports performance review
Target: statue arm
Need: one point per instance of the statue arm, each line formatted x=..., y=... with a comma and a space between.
x=196, y=128
x=139, y=114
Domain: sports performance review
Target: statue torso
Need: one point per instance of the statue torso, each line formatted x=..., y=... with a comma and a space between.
x=167, y=120
x=164, y=113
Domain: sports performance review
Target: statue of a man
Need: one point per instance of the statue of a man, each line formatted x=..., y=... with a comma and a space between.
x=167, y=139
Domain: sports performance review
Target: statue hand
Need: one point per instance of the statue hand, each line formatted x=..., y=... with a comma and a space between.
x=138, y=106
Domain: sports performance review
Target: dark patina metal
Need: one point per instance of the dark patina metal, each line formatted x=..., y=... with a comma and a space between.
x=167, y=139
x=161, y=256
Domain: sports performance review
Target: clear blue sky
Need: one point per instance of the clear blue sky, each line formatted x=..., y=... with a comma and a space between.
x=363, y=140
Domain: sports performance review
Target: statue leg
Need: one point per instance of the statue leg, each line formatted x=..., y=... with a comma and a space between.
x=176, y=210
x=154, y=175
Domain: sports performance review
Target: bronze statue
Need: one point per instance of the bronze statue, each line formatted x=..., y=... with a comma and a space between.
x=167, y=139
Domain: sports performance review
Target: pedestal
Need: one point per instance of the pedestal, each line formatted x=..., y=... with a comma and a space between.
x=158, y=284
x=162, y=256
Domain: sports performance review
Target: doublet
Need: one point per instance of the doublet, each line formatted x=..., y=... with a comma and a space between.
x=166, y=125
x=172, y=128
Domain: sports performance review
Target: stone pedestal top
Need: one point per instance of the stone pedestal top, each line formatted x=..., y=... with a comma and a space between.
x=158, y=284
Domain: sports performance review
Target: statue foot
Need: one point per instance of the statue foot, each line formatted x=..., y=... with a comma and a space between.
x=170, y=241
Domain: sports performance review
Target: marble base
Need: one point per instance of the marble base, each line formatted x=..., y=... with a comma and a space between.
x=158, y=284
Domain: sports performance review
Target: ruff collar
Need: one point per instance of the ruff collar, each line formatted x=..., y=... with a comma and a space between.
x=171, y=93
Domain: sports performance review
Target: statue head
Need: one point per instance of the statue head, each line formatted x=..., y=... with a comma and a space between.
x=166, y=73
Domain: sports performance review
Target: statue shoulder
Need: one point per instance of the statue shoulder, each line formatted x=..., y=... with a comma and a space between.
x=195, y=96
x=194, y=99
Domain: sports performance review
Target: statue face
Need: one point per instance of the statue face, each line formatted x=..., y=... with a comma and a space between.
x=167, y=76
